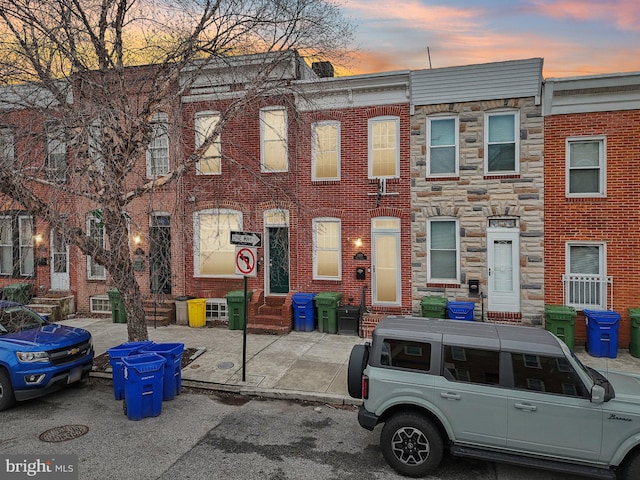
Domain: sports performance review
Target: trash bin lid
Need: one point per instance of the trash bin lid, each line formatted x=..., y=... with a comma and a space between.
x=440, y=301
x=302, y=298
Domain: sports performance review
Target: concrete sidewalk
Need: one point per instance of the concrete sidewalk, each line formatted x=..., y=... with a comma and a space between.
x=308, y=366
x=300, y=365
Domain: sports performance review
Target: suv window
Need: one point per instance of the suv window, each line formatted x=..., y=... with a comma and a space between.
x=471, y=365
x=406, y=354
x=546, y=374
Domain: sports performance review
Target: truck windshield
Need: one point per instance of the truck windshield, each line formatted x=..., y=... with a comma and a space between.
x=18, y=319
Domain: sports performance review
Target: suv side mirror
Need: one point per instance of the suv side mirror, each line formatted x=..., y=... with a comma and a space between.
x=597, y=394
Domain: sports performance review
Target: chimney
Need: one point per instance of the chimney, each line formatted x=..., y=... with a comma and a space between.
x=322, y=69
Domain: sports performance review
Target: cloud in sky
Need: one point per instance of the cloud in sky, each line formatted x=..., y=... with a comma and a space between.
x=575, y=37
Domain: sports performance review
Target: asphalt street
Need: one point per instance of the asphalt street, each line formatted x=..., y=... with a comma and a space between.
x=217, y=436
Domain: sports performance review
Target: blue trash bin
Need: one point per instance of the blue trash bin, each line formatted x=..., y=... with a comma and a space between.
x=143, y=385
x=304, y=318
x=460, y=310
x=602, y=332
x=115, y=359
x=172, y=372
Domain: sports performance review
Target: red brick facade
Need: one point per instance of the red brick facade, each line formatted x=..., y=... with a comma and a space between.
x=613, y=219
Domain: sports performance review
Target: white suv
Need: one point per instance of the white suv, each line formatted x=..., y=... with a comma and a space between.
x=495, y=392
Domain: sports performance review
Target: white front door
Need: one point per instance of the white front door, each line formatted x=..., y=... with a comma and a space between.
x=59, y=262
x=385, y=238
x=503, y=253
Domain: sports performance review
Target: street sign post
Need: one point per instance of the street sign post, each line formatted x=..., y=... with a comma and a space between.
x=248, y=239
x=246, y=262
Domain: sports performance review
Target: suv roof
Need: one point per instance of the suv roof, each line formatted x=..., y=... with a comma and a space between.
x=465, y=333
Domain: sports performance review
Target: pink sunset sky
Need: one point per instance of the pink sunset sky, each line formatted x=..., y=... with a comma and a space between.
x=575, y=37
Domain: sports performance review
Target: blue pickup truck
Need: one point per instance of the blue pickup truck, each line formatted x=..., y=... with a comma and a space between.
x=38, y=357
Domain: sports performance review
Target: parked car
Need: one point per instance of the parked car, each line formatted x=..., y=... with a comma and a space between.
x=38, y=357
x=501, y=393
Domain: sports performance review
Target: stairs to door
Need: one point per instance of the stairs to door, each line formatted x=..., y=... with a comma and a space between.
x=160, y=313
x=273, y=314
x=56, y=305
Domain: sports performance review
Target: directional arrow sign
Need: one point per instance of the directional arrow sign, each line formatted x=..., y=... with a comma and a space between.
x=249, y=239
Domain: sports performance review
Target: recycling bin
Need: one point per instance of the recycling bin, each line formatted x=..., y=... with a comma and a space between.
x=634, y=342
x=197, y=308
x=17, y=292
x=433, y=307
x=460, y=310
x=118, y=313
x=560, y=320
x=116, y=354
x=172, y=371
x=326, y=304
x=348, y=319
x=236, y=308
x=182, y=310
x=143, y=385
x=602, y=332
x=304, y=318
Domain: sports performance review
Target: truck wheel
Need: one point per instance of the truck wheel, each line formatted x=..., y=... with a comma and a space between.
x=6, y=391
x=631, y=470
x=411, y=444
x=357, y=363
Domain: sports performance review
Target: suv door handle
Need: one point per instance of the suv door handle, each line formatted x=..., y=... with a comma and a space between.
x=526, y=406
x=450, y=396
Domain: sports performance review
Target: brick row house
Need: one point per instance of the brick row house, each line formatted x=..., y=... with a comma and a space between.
x=387, y=188
x=592, y=200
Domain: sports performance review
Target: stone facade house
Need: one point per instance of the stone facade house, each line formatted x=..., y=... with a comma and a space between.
x=477, y=203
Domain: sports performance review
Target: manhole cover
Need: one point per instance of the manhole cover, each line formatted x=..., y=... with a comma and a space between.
x=225, y=365
x=63, y=433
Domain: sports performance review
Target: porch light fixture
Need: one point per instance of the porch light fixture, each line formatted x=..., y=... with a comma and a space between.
x=358, y=242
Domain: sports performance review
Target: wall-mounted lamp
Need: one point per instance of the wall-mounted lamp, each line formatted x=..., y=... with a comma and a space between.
x=358, y=242
x=137, y=239
x=40, y=254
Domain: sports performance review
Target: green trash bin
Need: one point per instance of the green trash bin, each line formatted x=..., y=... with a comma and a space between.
x=634, y=342
x=118, y=313
x=560, y=320
x=236, y=308
x=327, y=304
x=18, y=292
x=433, y=307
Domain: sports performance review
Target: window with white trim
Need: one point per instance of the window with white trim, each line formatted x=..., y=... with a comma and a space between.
x=384, y=147
x=17, y=258
x=443, y=250
x=7, y=147
x=502, y=143
x=586, y=172
x=158, y=150
x=273, y=140
x=95, y=230
x=325, y=152
x=214, y=254
x=56, y=151
x=210, y=162
x=327, y=263
x=442, y=151
x=94, y=146
x=586, y=280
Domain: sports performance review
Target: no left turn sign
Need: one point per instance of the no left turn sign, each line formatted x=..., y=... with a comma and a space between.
x=246, y=261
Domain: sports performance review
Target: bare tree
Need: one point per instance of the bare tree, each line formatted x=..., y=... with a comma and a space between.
x=88, y=86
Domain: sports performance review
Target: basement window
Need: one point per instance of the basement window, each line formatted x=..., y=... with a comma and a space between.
x=100, y=304
x=216, y=309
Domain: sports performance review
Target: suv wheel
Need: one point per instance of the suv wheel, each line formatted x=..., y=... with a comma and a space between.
x=357, y=363
x=631, y=470
x=411, y=444
x=6, y=391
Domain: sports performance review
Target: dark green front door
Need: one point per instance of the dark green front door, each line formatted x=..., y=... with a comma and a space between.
x=160, y=254
x=278, y=259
